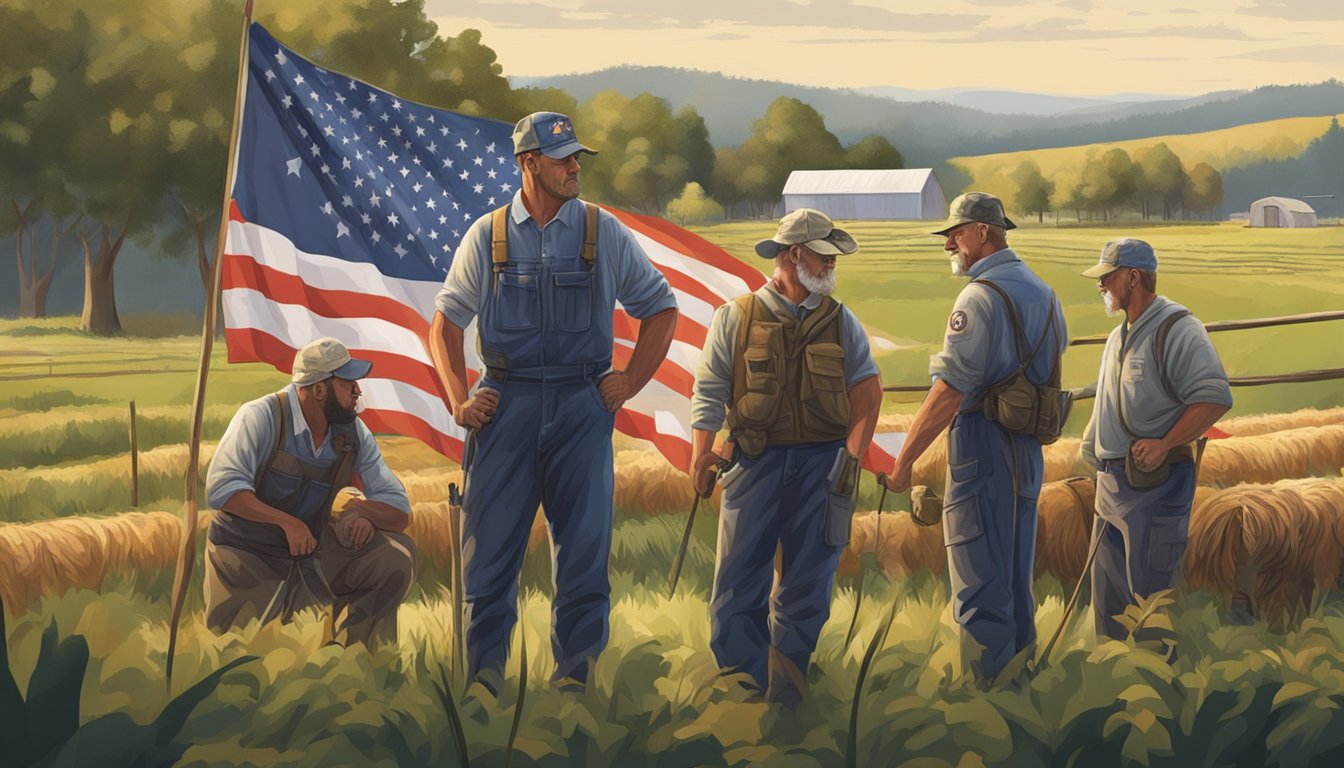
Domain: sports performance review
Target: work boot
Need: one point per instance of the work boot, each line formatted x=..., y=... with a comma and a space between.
x=1242, y=611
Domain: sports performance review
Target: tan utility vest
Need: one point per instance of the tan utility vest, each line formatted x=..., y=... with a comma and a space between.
x=788, y=377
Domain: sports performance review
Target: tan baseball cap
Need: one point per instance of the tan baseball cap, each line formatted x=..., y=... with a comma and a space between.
x=811, y=228
x=980, y=207
x=322, y=359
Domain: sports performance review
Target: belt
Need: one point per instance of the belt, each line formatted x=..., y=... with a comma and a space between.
x=1176, y=455
x=547, y=373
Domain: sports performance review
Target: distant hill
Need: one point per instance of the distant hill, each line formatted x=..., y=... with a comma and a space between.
x=929, y=132
x=1018, y=102
x=1223, y=149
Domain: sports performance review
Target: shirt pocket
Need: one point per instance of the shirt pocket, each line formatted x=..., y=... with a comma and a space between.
x=516, y=304
x=572, y=307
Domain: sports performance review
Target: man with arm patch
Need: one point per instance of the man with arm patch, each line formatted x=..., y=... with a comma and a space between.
x=996, y=390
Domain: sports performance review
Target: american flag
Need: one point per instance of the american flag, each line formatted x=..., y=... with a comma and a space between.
x=348, y=205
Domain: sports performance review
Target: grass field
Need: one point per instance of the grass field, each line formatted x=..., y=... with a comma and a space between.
x=1236, y=695
x=1226, y=148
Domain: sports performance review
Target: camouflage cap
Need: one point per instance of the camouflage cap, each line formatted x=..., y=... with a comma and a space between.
x=980, y=207
x=327, y=357
x=811, y=228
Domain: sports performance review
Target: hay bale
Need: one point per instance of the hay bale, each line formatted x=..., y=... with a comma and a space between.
x=904, y=547
x=1289, y=530
x=1293, y=453
x=1265, y=423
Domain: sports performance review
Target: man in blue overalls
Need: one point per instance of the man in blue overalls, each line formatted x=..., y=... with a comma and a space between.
x=994, y=474
x=542, y=276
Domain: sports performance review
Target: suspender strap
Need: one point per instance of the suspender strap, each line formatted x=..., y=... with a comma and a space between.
x=499, y=238
x=280, y=417
x=1019, y=335
x=1159, y=361
x=589, y=234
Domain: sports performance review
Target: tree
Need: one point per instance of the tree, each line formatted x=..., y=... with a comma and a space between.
x=1158, y=175
x=791, y=136
x=1108, y=181
x=693, y=206
x=1032, y=189
x=725, y=181
x=1206, y=188
x=648, y=153
x=873, y=152
x=1068, y=194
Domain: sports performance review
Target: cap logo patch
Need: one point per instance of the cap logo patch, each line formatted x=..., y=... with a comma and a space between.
x=559, y=127
x=958, y=321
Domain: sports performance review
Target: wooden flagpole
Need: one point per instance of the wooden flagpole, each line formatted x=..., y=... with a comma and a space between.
x=186, y=556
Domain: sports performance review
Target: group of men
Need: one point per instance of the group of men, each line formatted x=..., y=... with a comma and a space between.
x=788, y=368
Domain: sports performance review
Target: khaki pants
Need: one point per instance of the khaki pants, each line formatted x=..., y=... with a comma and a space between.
x=369, y=585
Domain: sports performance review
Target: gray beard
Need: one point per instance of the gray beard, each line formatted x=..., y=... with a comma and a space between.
x=823, y=286
x=958, y=264
x=1111, y=309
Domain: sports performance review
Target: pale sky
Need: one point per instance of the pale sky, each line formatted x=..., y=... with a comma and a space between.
x=1066, y=47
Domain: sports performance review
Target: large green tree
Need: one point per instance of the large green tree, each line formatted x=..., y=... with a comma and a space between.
x=791, y=136
x=1108, y=181
x=1205, y=188
x=648, y=154
x=1031, y=190
x=873, y=152
x=1159, y=177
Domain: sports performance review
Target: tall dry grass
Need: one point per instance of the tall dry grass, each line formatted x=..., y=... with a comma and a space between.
x=1292, y=531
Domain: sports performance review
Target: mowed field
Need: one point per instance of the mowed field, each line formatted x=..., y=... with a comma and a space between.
x=1263, y=694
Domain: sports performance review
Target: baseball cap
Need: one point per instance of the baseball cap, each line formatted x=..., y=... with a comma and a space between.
x=1123, y=252
x=979, y=207
x=811, y=228
x=550, y=132
x=320, y=360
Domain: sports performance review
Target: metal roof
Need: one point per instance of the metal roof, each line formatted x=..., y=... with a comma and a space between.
x=858, y=182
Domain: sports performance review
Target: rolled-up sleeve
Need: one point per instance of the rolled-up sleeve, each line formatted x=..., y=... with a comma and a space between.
x=1197, y=373
x=966, y=339
x=379, y=482
x=249, y=436
x=714, y=375
x=640, y=287
x=859, y=363
x=459, y=298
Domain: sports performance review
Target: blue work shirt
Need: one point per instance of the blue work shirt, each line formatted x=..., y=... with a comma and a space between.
x=979, y=349
x=546, y=308
x=248, y=440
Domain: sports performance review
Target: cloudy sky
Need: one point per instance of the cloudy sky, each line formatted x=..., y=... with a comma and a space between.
x=1073, y=47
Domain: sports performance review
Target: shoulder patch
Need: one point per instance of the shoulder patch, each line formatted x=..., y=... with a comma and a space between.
x=958, y=322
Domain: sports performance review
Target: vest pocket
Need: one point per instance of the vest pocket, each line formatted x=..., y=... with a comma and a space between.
x=573, y=301
x=280, y=489
x=516, y=304
x=756, y=408
x=825, y=403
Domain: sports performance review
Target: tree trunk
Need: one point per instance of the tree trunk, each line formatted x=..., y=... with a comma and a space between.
x=25, y=293
x=100, y=298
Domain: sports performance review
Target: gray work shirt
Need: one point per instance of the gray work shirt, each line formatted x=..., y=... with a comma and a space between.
x=251, y=434
x=714, y=375
x=1128, y=371
x=978, y=345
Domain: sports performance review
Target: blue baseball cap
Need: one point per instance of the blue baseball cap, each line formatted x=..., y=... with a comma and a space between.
x=1124, y=252
x=550, y=132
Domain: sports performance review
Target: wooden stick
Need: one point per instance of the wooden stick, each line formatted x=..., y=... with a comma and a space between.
x=135, y=462
x=186, y=556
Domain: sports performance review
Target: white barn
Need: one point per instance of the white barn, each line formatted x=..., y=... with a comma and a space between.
x=1281, y=212
x=912, y=193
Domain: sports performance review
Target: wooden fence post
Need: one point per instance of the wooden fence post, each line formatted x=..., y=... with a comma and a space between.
x=135, y=462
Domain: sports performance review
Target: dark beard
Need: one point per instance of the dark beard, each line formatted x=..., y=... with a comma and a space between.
x=335, y=413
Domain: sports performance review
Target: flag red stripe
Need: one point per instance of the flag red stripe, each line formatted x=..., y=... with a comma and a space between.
x=254, y=344
x=671, y=375
x=691, y=246
x=626, y=327
x=674, y=449
x=243, y=271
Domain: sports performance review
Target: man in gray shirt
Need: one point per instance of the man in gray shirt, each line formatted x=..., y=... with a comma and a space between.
x=792, y=368
x=1160, y=387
